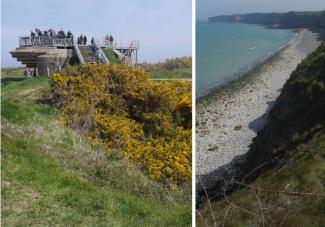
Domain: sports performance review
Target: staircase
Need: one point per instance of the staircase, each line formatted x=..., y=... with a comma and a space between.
x=86, y=53
x=91, y=54
x=101, y=55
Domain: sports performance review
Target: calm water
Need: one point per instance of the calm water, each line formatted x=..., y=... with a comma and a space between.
x=225, y=50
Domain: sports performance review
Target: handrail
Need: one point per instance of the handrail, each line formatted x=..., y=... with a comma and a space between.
x=123, y=58
x=100, y=52
x=81, y=59
x=121, y=44
x=45, y=41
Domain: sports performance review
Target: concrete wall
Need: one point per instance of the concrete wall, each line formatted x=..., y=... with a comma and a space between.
x=46, y=60
x=53, y=61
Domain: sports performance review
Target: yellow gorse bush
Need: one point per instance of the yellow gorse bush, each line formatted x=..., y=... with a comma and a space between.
x=147, y=122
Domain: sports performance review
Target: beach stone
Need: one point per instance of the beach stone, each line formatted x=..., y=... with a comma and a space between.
x=242, y=104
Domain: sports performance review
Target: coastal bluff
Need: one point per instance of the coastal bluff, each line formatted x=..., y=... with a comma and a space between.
x=283, y=20
x=297, y=116
x=282, y=177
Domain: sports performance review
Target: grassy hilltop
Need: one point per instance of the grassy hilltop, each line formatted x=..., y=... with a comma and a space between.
x=184, y=73
x=174, y=68
x=282, y=181
x=52, y=175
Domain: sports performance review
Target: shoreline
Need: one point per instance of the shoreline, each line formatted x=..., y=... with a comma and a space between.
x=244, y=74
x=248, y=70
x=229, y=117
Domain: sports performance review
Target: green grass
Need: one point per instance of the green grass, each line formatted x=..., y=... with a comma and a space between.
x=170, y=74
x=111, y=56
x=53, y=176
x=291, y=191
x=305, y=173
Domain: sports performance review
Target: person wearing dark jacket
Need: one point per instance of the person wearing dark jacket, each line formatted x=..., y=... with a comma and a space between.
x=111, y=39
x=81, y=39
x=32, y=35
x=85, y=40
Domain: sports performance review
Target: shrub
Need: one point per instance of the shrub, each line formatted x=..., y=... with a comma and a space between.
x=148, y=122
x=169, y=64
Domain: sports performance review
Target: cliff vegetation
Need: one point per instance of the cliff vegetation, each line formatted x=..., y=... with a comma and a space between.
x=282, y=180
x=285, y=20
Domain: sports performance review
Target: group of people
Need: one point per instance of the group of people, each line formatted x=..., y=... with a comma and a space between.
x=29, y=74
x=51, y=32
x=109, y=40
x=82, y=40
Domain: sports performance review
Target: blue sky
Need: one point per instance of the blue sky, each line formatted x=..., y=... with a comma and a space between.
x=162, y=26
x=206, y=8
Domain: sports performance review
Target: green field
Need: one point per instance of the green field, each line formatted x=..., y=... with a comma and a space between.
x=185, y=73
x=53, y=176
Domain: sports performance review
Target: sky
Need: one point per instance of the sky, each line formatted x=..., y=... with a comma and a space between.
x=163, y=27
x=207, y=8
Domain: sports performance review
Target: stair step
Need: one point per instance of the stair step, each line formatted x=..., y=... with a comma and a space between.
x=86, y=53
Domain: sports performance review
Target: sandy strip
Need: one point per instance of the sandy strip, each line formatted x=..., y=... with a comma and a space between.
x=228, y=119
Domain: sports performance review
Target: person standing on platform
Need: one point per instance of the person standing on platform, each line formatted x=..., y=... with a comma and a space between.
x=111, y=40
x=81, y=39
x=32, y=35
x=92, y=45
x=107, y=41
x=85, y=40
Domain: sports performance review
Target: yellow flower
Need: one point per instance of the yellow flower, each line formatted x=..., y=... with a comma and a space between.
x=148, y=122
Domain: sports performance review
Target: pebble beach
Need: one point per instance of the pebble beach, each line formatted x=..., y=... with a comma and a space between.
x=229, y=117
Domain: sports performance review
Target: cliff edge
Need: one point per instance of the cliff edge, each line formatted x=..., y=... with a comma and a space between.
x=282, y=180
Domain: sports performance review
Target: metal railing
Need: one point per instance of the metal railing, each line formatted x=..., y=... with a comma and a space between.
x=45, y=41
x=80, y=57
x=123, y=58
x=101, y=54
x=121, y=44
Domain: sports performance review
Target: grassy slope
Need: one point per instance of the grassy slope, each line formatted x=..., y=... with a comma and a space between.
x=53, y=176
x=295, y=138
x=111, y=56
x=185, y=73
x=304, y=173
x=176, y=73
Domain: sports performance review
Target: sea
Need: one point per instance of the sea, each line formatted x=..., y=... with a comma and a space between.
x=226, y=51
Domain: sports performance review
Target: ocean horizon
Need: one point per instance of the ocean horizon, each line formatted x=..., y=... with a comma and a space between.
x=225, y=51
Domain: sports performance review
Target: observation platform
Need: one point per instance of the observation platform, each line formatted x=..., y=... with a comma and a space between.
x=50, y=53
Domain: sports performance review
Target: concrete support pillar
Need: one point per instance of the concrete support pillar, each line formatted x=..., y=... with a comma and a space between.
x=48, y=60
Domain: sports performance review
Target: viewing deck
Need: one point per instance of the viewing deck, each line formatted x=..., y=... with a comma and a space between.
x=54, y=51
x=45, y=41
x=63, y=42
